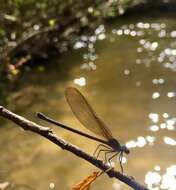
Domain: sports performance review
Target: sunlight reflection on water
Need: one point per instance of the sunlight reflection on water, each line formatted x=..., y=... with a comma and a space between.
x=169, y=141
x=155, y=180
x=80, y=81
x=167, y=123
x=141, y=142
x=150, y=53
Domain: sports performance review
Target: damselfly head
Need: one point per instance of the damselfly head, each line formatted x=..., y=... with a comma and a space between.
x=125, y=149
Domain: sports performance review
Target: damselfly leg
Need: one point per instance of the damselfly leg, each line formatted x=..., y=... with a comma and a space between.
x=120, y=160
x=114, y=155
x=98, y=150
x=107, y=160
x=103, y=148
x=107, y=150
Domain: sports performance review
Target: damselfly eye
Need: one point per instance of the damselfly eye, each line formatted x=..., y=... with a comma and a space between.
x=125, y=149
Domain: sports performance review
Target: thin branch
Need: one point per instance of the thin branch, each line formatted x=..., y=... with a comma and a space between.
x=48, y=133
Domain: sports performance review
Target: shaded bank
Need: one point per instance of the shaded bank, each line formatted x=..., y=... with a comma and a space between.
x=37, y=31
x=33, y=38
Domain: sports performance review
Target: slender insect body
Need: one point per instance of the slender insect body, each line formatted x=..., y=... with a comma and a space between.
x=86, y=115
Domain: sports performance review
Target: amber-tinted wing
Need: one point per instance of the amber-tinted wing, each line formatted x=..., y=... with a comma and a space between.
x=85, y=114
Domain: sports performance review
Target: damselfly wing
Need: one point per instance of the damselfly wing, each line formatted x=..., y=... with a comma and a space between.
x=85, y=114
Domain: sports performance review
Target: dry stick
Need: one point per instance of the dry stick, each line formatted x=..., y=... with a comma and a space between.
x=47, y=133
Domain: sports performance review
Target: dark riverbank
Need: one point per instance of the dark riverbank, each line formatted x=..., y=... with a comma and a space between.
x=33, y=34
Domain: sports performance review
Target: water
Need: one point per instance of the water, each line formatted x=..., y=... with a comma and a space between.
x=127, y=72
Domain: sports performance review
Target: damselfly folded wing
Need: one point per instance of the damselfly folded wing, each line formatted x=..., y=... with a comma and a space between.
x=85, y=114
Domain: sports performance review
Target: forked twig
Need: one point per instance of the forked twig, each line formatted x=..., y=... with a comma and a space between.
x=48, y=133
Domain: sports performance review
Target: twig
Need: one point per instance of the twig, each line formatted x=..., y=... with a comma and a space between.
x=48, y=133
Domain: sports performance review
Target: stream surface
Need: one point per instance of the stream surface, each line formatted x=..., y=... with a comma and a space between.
x=127, y=73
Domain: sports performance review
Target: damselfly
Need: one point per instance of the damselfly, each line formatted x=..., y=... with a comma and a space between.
x=87, y=116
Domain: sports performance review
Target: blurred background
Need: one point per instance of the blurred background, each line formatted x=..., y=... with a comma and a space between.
x=121, y=54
